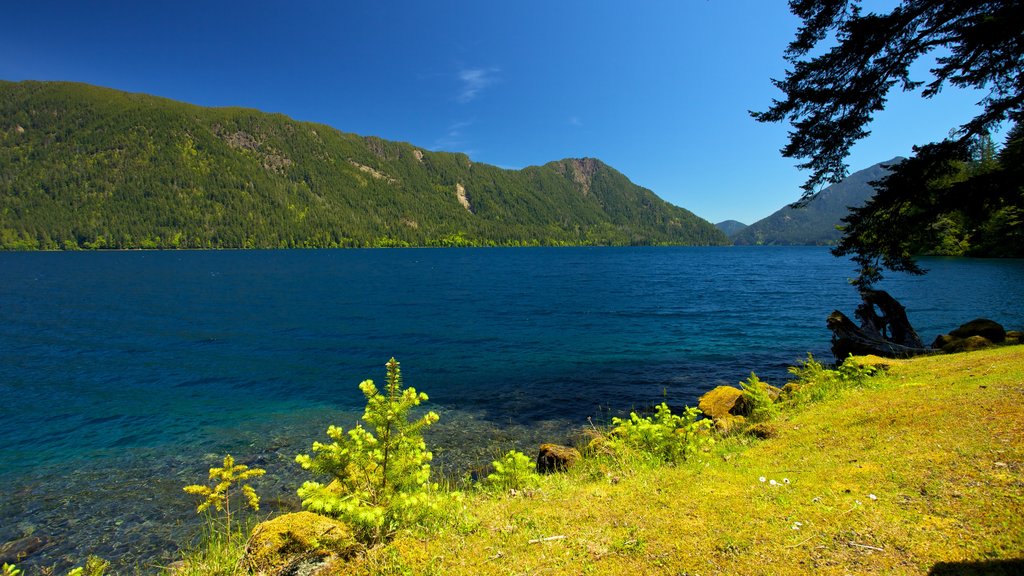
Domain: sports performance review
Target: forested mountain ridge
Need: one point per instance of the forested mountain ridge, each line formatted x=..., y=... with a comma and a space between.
x=89, y=167
x=815, y=223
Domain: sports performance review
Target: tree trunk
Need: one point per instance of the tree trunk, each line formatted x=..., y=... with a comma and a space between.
x=884, y=330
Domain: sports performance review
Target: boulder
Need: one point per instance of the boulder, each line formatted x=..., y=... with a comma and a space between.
x=942, y=340
x=762, y=430
x=729, y=424
x=283, y=542
x=967, y=344
x=719, y=402
x=1013, y=337
x=988, y=329
x=556, y=458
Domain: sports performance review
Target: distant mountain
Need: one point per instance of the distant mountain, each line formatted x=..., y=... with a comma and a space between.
x=731, y=227
x=815, y=224
x=89, y=167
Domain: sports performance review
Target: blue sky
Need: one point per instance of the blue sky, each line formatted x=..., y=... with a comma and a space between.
x=657, y=89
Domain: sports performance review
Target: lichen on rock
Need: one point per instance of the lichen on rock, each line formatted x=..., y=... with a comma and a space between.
x=282, y=542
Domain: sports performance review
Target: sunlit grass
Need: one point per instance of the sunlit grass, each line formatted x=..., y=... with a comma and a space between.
x=923, y=467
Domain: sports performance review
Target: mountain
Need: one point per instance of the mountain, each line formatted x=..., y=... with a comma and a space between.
x=89, y=167
x=731, y=227
x=815, y=223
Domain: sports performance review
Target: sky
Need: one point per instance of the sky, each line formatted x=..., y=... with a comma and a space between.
x=659, y=90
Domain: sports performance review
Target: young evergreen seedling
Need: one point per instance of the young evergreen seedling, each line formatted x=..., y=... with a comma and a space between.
x=220, y=495
x=514, y=471
x=380, y=478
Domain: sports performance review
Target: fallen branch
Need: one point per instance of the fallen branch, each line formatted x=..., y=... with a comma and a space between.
x=548, y=539
x=866, y=546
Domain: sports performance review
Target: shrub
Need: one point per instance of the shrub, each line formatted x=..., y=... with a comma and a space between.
x=514, y=471
x=759, y=402
x=380, y=478
x=665, y=437
x=815, y=383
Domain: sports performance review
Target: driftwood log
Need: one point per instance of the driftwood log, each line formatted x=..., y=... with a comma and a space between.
x=884, y=329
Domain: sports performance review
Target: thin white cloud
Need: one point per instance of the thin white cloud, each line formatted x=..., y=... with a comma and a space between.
x=454, y=139
x=474, y=80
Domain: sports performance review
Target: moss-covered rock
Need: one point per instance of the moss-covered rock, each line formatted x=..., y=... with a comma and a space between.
x=719, y=402
x=942, y=340
x=285, y=541
x=556, y=458
x=730, y=424
x=762, y=430
x=988, y=329
x=967, y=344
x=1014, y=337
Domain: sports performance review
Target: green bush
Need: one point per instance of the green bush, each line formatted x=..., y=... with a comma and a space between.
x=755, y=394
x=665, y=437
x=815, y=383
x=514, y=471
x=380, y=478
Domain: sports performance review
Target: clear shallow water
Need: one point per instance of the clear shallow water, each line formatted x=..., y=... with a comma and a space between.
x=123, y=375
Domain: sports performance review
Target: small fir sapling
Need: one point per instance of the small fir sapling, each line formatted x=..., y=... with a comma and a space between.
x=225, y=479
x=380, y=478
x=514, y=471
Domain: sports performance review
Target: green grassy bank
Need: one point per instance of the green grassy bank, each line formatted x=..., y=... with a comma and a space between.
x=923, y=471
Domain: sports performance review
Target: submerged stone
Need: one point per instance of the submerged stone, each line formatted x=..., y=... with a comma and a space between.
x=15, y=551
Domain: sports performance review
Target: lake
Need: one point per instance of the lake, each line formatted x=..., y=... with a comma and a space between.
x=126, y=375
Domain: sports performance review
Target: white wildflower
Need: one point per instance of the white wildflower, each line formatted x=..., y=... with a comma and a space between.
x=762, y=479
x=773, y=483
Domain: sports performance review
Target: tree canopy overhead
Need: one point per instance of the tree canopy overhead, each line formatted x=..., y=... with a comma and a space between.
x=843, y=63
x=830, y=98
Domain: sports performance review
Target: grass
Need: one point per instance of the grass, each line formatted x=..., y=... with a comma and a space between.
x=922, y=471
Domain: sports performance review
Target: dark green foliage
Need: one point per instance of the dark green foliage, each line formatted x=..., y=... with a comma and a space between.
x=88, y=167
x=950, y=199
x=831, y=97
x=731, y=227
x=761, y=405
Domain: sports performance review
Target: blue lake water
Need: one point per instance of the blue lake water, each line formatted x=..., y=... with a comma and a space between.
x=124, y=375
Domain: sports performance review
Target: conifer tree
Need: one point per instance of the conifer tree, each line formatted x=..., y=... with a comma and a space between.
x=380, y=479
